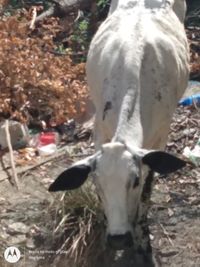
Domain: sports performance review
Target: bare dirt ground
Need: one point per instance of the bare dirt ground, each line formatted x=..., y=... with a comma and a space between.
x=176, y=200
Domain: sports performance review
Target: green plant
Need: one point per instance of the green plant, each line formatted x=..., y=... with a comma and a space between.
x=103, y=3
x=80, y=38
x=102, y=8
x=61, y=49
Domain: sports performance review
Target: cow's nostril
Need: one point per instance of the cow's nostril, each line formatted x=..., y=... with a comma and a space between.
x=120, y=241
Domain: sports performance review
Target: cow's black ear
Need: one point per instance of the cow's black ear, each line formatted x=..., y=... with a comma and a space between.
x=163, y=162
x=71, y=179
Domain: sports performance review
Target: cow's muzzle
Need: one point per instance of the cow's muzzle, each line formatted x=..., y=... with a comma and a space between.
x=119, y=242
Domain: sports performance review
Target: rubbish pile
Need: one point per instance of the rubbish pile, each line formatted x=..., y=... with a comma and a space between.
x=30, y=144
x=184, y=137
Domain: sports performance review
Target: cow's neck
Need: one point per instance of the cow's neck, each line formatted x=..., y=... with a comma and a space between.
x=129, y=128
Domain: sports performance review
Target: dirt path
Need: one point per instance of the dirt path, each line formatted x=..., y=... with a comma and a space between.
x=23, y=213
x=175, y=221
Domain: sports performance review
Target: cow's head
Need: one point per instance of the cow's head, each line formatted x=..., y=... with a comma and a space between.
x=119, y=174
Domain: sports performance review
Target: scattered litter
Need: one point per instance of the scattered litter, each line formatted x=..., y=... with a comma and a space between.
x=47, y=149
x=194, y=154
x=193, y=88
x=48, y=138
x=192, y=94
x=190, y=100
x=43, y=138
x=45, y=142
x=18, y=134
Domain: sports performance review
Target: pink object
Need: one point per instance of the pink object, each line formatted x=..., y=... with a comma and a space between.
x=47, y=138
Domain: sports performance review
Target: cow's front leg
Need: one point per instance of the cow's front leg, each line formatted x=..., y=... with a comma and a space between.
x=143, y=245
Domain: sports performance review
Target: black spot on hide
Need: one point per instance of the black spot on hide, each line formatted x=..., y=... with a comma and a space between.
x=137, y=179
x=107, y=107
x=158, y=96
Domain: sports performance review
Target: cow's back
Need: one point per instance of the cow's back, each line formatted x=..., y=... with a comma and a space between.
x=138, y=63
x=163, y=76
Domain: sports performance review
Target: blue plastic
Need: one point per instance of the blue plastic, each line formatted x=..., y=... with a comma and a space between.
x=190, y=100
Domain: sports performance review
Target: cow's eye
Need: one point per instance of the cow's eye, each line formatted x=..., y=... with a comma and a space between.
x=136, y=183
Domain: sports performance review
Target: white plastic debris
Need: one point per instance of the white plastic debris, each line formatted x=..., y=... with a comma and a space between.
x=47, y=150
x=194, y=154
x=18, y=133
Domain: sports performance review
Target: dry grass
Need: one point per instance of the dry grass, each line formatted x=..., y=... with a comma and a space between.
x=78, y=225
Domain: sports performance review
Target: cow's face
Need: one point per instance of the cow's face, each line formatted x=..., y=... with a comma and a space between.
x=119, y=177
x=119, y=182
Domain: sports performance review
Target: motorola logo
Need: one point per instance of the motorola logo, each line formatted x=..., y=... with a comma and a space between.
x=12, y=254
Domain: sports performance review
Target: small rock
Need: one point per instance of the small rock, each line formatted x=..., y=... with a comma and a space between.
x=30, y=243
x=188, y=132
x=151, y=237
x=18, y=239
x=4, y=235
x=173, y=221
x=18, y=227
x=170, y=212
x=2, y=200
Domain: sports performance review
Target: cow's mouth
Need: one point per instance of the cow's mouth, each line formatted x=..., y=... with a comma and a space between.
x=120, y=242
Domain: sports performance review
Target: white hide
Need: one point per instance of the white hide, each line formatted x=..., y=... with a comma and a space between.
x=179, y=6
x=115, y=156
x=138, y=59
x=138, y=63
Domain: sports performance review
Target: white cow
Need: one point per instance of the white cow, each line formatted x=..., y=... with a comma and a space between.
x=137, y=69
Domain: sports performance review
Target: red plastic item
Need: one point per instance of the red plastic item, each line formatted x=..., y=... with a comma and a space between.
x=47, y=138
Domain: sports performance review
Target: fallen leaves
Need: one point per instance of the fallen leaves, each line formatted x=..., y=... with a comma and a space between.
x=194, y=39
x=32, y=77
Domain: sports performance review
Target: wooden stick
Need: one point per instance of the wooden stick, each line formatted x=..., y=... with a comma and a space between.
x=167, y=235
x=15, y=178
x=32, y=24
